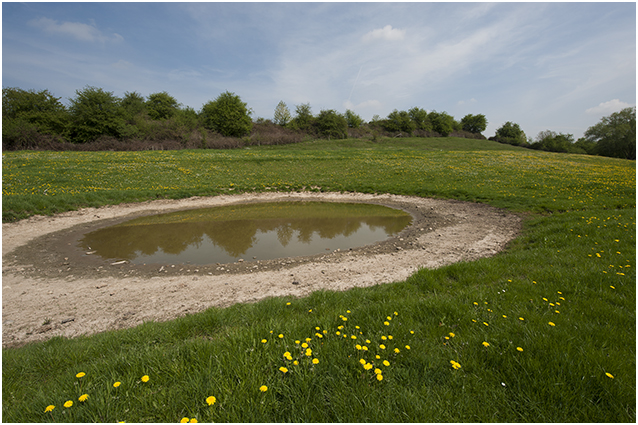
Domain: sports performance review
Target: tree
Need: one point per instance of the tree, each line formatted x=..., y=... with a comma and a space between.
x=282, y=114
x=511, y=134
x=39, y=110
x=227, y=115
x=353, y=120
x=615, y=135
x=132, y=104
x=303, y=119
x=399, y=121
x=332, y=124
x=555, y=142
x=442, y=123
x=474, y=123
x=161, y=106
x=95, y=112
x=420, y=118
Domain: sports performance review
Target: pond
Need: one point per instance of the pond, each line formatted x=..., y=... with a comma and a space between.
x=255, y=231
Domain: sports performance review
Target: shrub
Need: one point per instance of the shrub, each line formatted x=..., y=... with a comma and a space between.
x=331, y=124
x=282, y=114
x=353, y=120
x=95, y=112
x=615, y=135
x=161, y=106
x=443, y=123
x=420, y=118
x=227, y=115
x=511, y=134
x=474, y=123
x=303, y=120
x=399, y=121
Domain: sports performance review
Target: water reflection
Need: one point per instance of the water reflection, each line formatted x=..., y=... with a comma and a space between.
x=263, y=231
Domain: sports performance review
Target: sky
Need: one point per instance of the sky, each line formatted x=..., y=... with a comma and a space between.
x=544, y=66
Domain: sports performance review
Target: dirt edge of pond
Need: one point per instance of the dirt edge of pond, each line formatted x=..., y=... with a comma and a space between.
x=48, y=290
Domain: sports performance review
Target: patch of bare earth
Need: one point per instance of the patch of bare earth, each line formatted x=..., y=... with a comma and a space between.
x=50, y=288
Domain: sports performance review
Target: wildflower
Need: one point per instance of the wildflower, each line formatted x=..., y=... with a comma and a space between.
x=117, y=384
x=504, y=317
x=381, y=346
x=193, y=421
x=315, y=361
x=556, y=311
x=263, y=388
x=184, y=421
x=378, y=357
x=79, y=375
x=485, y=323
x=362, y=361
x=367, y=366
x=552, y=324
x=145, y=378
x=412, y=332
x=396, y=350
x=304, y=345
x=390, y=337
x=353, y=337
x=383, y=337
x=386, y=363
x=281, y=336
x=455, y=365
x=386, y=323
x=287, y=303
x=68, y=404
x=308, y=352
x=283, y=369
x=486, y=344
x=407, y=347
x=296, y=362
x=475, y=303
x=519, y=348
x=83, y=397
x=379, y=377
x=358, y=347
x=49, y=408
x=364, y=348
x=211, y=400
x=389, y=318
x=520, y=318
x=377, y=371
x=263, y=341
x=308, y=339
x=607, y=373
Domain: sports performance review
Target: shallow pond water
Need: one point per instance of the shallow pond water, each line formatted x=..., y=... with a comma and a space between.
x=258, y=231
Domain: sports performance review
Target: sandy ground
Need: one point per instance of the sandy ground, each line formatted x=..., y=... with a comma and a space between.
x=50, y=288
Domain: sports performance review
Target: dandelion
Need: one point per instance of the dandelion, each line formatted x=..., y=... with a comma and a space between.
x=281, y=336
x=377, y=371
x=283, y=369
x=519, y=348
x=455, y=365
x=117, y=384
x=211, y=400
x=68, y=404
x=407, y=347
x=452, y=334
x=353, y=337
x=83, y=397
x=381, y=346
x=552, y=324
x=79, y=375
x=145, y=378
x=386, y=323
x=379, y=377
x=296, y=362
x=485, y=323
x=504, y=317
x=263, y=341
x=386, y=363
x=49, y=408
x=287, y=303
x=367, y=366
x=315, y=361
x=412, y=332
x=396, y=350
x=486, y=344
x=358, y=347
x=362, y=361
x=396, y=314
x=308, y=352
x=263, y=388
x=304, y=345
x=383, y=337
x=520, y=318
x=193, y=421
x=609, y=375
x=184, y=421
x=475, y=303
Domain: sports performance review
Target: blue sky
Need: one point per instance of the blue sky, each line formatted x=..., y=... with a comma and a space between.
x=556, y=66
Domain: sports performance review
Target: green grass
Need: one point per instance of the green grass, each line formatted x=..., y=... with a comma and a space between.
x=576, y=251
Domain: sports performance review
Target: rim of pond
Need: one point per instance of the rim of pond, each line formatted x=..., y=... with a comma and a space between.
x=251, y=232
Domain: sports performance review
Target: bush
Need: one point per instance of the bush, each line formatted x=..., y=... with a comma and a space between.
x=511, y=134
x=474, y=123
x=161, y=106
x=332, y=125
x=282, y=114
x=41, y=111
x=227, y=115
x=399, y=121
x=443, y=123
x=420, y=118
x=615, y=135
x=303, y=119
x=353, y=120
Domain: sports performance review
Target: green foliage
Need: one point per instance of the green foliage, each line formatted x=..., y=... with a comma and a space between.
x=133, y=105
x=552, y=142
x=420, y=118
x=304, y=120
x=353, y=120
x=227, y=115
x=282, y=114
x=161, y=106
x=615, y=135
x=511, y=134
x=332, y=125
x=39, y=110
x=399, y=121
x=474, y=123
x=442, y=123
x=94, y=113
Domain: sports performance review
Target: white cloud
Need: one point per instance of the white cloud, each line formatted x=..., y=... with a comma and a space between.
x=464, y=102
x=609, y=107
x=385, y=33
x=77, y=30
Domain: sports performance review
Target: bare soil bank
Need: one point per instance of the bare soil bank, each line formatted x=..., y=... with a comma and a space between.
x=51, y=288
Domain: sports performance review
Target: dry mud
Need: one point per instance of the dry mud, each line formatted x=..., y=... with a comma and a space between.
x=51, y=288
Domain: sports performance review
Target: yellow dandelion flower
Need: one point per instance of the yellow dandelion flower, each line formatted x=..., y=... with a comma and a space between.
x=362, y=361
x=353, y=337
x=79, y=375
x=263, y=388
x=520, y=318
x=381, y=346
x=145, y=378
x=475, y=303
x=412, y=332
x=283, y=369
x=358, y=347
x=304, y=345
x=396, y=314
x=49, y=408
x=386, y=323
x=386, y=363
x=296, y=362
x=281, y=336
x=184, y=421
x=379, y=377
x=287, y=303
x=68, y=404
x=519, y=348
x=367, y=366
x=263, y=341
x=486, y=344
x=308, y=352
x=364, y=348
x=396, y=350
x=83, y=397
x=211, y=400
x=504, y=316
x=315, y=361
x=485, y=323
x=117, y=384
x=377, y=371
x=609, y=375
x=383, y=337
x=407, y=347
x=378, y=357
x=552, y=324
x=193, y=421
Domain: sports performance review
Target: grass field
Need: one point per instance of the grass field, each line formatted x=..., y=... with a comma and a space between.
x=542, y=332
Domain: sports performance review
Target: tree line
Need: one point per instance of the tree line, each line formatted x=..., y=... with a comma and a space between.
x=96, y=119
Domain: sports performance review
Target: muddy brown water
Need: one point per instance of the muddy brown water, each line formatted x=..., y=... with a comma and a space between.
x=261, y=231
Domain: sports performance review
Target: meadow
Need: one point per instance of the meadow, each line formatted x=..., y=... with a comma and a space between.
x=542, y=332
